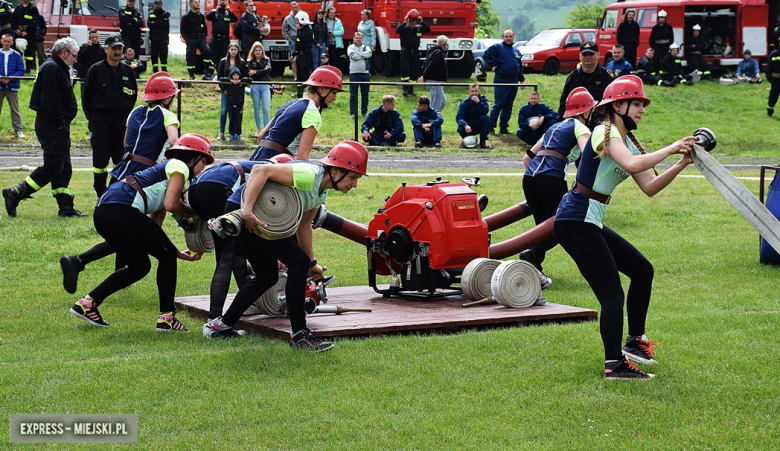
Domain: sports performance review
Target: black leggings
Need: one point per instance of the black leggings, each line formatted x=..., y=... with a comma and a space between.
x=208, y=199
x=600, y=254
x=135, y=237
x=543, y=194
x=263, y=255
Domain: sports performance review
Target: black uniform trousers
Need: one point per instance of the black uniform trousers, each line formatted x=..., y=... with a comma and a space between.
x=132, y=42
x=543, y=194
x=159, y=50
x=696, y=62
x=774, y=92
x=107, y=141
x=410, y=67
x=660, y=52
x=193, y=45
x=55, y=142
x=630, y=55
x=219, y=46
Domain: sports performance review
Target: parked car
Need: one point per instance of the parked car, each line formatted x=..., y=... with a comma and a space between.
x=555, y=50
x=479, y=49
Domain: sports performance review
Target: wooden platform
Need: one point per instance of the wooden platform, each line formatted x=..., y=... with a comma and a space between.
x=394, y=315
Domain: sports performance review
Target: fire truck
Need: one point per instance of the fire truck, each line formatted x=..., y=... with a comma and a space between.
x=456, y=19
x=729, y=26
x=75, y=18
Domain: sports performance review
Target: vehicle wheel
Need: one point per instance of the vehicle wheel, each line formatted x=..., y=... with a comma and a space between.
x=552, y=67
x=607, y=59
x=478, y=68
x=462, y=68
x=385, y=63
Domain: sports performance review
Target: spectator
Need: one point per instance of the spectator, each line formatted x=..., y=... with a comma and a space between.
x=221, y=17
x=673, y=70
x=232, y=61
x=335, y=42
x=504, y=60
x=619, y=66
x=644, y=68
x=324, y=60
x=259, y=68
x=694, y=47
x=25, y=18
x=368, y=29
x=159, y=29
x=130, y=23
x=252, y=28
x=386, y=123
x=110, y=92
x=137, y=65
x=40, y=36
x=591, y=75
x=6, y=10
x=661, y=37
x=53, y=100
x=193, y=33
x=427, y=124
x=290, y=33
x=747, y=70
x=773, y=76
x=628, y=36
x=11, y=65
x=304, y=42
x=320, y=37
x=91, y=52
x=435, y=71
x=472, y=116
x=409, y=34
x=359, y=55
x=233, y=89
x=534, y=119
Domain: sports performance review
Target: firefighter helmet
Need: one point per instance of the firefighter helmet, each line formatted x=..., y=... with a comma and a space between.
x=192, y=142
x=349, y=155
x=327, y=77
x=281, y=158
x=469, y=142
x=578, y=102
x=625, y=87
x=159, y=86
x=662, y=13
x=413, y=14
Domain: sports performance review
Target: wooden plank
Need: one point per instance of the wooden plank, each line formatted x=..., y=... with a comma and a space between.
x=394, y=315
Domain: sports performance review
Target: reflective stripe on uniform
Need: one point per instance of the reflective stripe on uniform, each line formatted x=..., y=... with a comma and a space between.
x=32, y=183
x=54, y=192
x=100, y=170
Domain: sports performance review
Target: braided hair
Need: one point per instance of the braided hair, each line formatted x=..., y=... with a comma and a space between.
x=607, y=127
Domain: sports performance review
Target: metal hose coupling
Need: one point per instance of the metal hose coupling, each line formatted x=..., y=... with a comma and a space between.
x=707, y=140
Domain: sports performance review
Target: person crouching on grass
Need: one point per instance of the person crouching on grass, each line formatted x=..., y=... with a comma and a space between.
x=340, y=170
x=120, y=218
x=600, y=253
x=233, y=88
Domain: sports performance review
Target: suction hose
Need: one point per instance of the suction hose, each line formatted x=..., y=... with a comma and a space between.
x=505, y=217
x=340, y=226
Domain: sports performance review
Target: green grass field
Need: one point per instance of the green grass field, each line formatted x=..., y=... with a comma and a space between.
x=715, y=316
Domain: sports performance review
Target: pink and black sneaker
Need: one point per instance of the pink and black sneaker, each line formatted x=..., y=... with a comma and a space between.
x=87, y=310
x=167, y=322
x=624, y=370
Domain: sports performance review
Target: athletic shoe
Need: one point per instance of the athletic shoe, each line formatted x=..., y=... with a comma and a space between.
x=71, y=267
x=230, y=139
x=238, y=138
x=529, y=255
x=640, y=349
x=221, y=136
x=87, y=310
x=624, y=370
x=545, y=280
x=540, y=301
x=19, y=134
x=437, y=144
x=418, y=144
x=303, y=339
x=212, y=329
x=505, y=131
x=167, y=322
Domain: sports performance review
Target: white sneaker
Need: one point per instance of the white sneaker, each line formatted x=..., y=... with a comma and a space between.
x=221, y=137
x=19, y=134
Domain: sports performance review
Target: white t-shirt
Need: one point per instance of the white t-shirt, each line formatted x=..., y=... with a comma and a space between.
x=7, y=54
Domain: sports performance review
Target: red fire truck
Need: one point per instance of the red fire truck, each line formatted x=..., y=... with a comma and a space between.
x=456, y=19
x=729, y=26
x=75, y=18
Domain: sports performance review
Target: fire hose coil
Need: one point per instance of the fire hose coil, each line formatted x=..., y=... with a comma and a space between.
x=476, y=278
x=200, y=239
x=515, y=284
x=280, y=207
x=270, y=303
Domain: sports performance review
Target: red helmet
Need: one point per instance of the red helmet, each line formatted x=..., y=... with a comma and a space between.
x=159, y=86
x=625, y=87
x=327, y=77
x=578, y=102
x=349, y=155
x=193, y=142
x=413, y=14
x=281, y=158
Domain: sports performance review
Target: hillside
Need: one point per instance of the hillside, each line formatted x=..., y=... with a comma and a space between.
x=528, y=17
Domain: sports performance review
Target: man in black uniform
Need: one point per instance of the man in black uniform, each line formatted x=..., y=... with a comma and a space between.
x=644, y=69
x=193, y=31
x=591, y=75
x=221, y=18
x=661, y=37
x=628, y=36
x=53, y=100
x=672, y=70
x=250, y=29
x=694, y=47
x=110, y=93
x=91, y=52
x=773, y=77
x=25, y=21
x=5, y=18
x=410, y=33
x=159, y=28
x=130, y=23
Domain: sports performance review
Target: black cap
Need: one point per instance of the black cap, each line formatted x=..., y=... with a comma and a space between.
x=324, y=55
x=113, y=41
x=589, y=47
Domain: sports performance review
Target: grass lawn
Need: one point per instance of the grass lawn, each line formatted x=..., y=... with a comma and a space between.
x=715, y=316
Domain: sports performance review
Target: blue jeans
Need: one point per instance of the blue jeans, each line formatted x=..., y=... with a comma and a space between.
x=223, y=113
x=505, y=98
x=261, y=98
x=353, y=93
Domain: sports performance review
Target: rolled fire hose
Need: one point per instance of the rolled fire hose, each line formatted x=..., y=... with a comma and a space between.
x=515, y=284
x=270, y=303
x=280, y=207
x=200, y=239
x=476, y=278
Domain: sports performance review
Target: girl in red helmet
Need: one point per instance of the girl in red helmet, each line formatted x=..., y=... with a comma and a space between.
x=295, y=125
x=339, y=170
x=544, y=181
x=599, y=252
x=120, y=218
